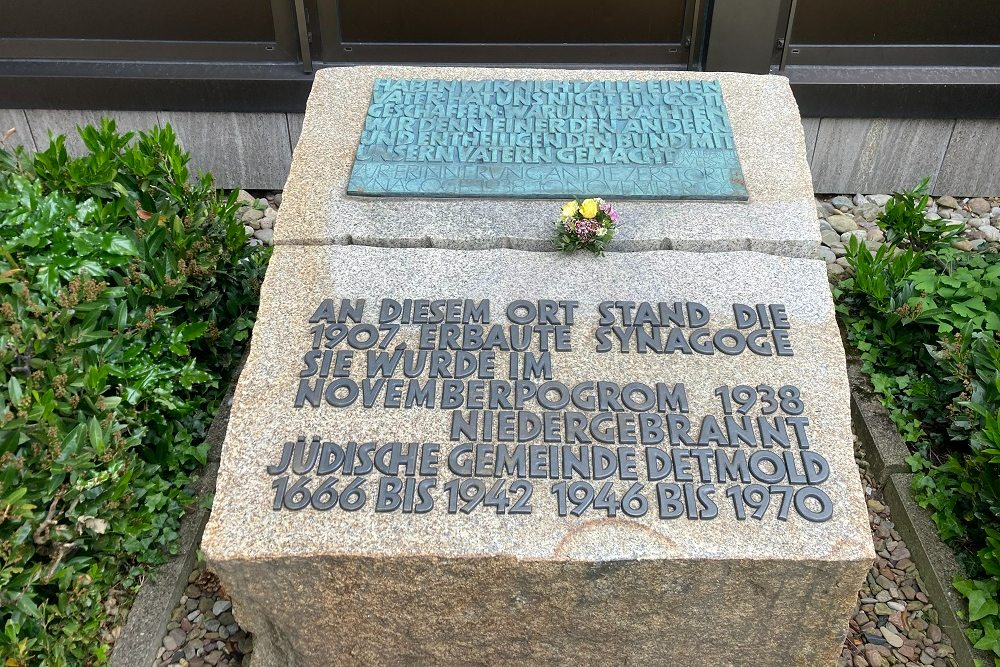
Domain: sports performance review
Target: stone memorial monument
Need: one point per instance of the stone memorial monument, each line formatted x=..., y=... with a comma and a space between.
x=464, y=456
x=774, y=212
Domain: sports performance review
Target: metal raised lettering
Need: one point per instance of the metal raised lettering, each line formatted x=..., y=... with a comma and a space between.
x=547, y=139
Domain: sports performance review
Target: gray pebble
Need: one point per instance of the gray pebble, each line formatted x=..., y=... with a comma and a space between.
x=990, y=233
x=842, y=223
x=265, y=235
x=830, y=237
x=947, y=201
x=178, y=636
x=824, y=209
x=841, y=202
x=870, y=211
x=979, y=206
x=221, y=606
x=891, y=637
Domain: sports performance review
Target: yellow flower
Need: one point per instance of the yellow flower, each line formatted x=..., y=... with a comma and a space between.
x=570, y=208
x=589, y=208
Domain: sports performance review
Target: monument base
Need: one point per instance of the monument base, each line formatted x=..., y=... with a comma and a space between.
x=320, y=612
x=371, y=512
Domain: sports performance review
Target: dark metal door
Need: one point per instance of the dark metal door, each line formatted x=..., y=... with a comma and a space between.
x=656, y=33
x=131, y=30
x=927, y=33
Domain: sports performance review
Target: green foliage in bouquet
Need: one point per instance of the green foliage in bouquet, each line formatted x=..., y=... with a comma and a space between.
x=586, y=225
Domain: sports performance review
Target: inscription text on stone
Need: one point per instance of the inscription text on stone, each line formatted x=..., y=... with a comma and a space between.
x=560, y=139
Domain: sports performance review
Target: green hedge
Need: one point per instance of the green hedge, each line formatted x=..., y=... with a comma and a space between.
x=127, y=294
x=925, y=317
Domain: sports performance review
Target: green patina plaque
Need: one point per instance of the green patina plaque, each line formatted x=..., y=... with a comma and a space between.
x=547, y=139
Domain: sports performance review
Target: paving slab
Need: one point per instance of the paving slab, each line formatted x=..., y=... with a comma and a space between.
x=553, y=519
x=778, y=218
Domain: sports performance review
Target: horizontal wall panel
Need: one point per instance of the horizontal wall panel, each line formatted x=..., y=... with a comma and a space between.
x=810, y=127
x=65, y=121
x=242, y=150
x=14, y=119
x=873, y=156
x=971, y=165
x=294, y=127
x=877, y=155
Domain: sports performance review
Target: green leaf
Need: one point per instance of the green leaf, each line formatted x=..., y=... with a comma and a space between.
x=120, y=245
x=980, y=605
x=96, y=434
x=27, y=606
x=14, y=389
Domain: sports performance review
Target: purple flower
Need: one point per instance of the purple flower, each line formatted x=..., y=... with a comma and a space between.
x=610, y=210
x=586, y=229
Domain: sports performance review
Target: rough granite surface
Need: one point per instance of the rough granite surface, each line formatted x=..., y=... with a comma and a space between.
x=351, y=588
x=779, y=218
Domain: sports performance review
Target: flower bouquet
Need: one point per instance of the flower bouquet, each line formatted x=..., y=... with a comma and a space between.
x=589, y=224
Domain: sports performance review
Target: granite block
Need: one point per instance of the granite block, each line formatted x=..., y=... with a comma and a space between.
x=779, y=217
x=351, y=585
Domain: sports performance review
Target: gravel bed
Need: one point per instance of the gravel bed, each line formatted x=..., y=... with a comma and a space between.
x=894, y=623
x=259, y=214
x=202, y=630
x=842, y=216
